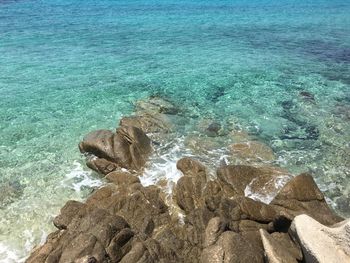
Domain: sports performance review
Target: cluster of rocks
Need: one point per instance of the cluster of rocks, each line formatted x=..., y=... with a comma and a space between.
x=205, y=219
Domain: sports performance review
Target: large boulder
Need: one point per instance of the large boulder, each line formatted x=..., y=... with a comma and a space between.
x=231, y=247
x=320, y=243
x=302, y=196
x=235, y=178
x=280, y=248
x=259, y=183
x=87, y=235
x=189, y=188
x=128, y=148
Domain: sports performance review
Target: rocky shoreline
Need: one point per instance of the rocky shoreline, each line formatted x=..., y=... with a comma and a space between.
x=204, y=219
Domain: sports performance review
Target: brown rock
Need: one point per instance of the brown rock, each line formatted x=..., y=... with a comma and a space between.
x=212, y=195
x=232, y=247
x=128, y=148
x=115, y=249
x=156, y=105
x=42, y=253
x=192, y=168
x=302, y=196
x=235, y=178
x=135, y=254
x=148, y=123
x=83, y=245
x=101, y=165
x=189, y=188
x=284, y=240
x=68, y=212
x=252, y=151
x=213, y=230
x=99, y=143
x=249, y=225
x=275, y=251
x=301, y=188
x=229, y=209
x=122, y=178
x=257, y=211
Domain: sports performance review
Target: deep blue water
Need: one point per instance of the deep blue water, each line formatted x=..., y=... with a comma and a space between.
x=68, y=67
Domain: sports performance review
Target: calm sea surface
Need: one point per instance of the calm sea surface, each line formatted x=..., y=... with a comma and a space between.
x=278, y=69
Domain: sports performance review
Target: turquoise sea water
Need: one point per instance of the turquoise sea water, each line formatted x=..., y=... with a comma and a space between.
x=68, y=67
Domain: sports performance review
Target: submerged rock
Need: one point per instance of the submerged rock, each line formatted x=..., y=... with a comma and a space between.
x=252, y=151
x=157, y=104
x=148, y=123
x=9, y=191
x=213, y=129
x=307, y=96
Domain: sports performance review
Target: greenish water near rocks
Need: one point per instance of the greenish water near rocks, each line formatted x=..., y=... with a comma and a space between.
x=278, y=69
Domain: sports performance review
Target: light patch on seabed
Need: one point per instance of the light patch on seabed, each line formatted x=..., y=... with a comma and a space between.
x=77, y=180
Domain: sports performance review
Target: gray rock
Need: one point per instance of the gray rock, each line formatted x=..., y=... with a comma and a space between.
x=320, y=243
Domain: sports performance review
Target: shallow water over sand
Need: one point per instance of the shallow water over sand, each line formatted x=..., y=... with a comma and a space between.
x=279, y=71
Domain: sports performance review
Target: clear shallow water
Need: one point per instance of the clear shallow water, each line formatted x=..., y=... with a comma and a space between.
x=68, y=67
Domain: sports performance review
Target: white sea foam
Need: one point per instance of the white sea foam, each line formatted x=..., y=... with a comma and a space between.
x=265, y=194
x=78, y=178
x=163, y=164
x=8, y=255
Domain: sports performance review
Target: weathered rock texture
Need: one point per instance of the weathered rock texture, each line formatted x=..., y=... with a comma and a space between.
x=127, y=222
x=321, y=243
x=205, y=219
x=127, y=148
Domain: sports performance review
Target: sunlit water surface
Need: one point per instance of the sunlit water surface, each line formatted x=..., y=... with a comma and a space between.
x=68, y=67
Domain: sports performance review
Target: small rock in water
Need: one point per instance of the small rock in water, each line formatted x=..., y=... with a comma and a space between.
x=219, y=92
x=9, y=191
x=252, y=151
x=307, y=96
x=157, y=104
x=287, y=104
x=213, y=129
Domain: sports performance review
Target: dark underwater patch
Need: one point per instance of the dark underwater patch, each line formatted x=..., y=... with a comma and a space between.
x=215, y=96
x=299, y=129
